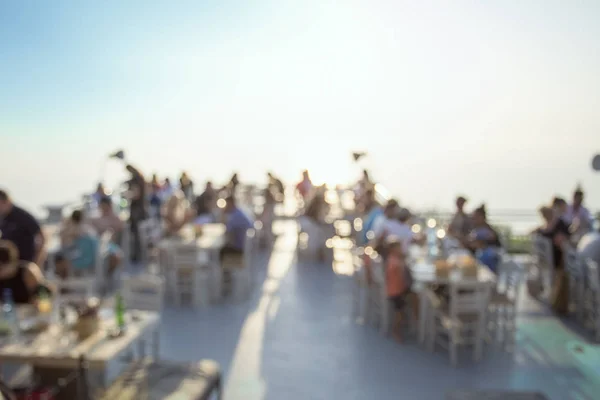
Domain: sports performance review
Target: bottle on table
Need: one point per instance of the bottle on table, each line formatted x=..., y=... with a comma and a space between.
x=9, y=313
x=120, y=311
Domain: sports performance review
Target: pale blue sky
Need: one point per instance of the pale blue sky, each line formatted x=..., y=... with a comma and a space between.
x=497, y=100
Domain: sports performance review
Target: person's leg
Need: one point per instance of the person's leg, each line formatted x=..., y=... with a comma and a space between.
x=397, y=304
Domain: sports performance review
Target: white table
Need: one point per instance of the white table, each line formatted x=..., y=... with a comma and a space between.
x=58, y=348
x=212, y=237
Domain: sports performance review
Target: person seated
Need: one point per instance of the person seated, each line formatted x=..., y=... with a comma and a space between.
x=79, y=246
x=558, y=232
x=277, y=187
x=547, y=215
x=236, y=227
x=204, y=206
x=317, y=208
x=304, y=188
x=461, y=224
x=371, y=211
x=483, y=240
x=579, y=217
x=175, y=214
x=23, y=278
x=99, y=193
x=230, y=189
x=109, y=222
x=398, y=281
x=395, y=225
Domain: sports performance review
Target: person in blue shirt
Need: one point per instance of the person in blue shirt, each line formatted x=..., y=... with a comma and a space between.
x=236, y=228
x=484, y=240
x=372, y=212
x=79, y=247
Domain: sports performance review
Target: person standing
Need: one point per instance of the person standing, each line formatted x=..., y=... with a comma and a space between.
x=21, y=228
x=137, y=209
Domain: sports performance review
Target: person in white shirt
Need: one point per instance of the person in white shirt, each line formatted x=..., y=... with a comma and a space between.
x=394, y=224
x=578, y=217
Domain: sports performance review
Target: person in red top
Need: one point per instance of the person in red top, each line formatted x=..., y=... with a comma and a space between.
x=305, y=186
x=397, y=283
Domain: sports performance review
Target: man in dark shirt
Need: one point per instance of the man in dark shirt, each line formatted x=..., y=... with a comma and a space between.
x=21, y=228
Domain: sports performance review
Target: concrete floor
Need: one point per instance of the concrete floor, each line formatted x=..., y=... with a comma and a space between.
x=295, y=339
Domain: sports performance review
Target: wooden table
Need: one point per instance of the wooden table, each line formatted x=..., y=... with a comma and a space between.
x=55, y=352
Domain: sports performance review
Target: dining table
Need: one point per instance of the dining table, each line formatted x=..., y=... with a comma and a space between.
x=426, y=273
x=54, y=349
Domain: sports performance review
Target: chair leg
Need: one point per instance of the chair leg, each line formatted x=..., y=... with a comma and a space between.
x=423, y=316
x=452, y=346
x=142, y=349
x=431, y=327
x=479, y=337
x=155, y=344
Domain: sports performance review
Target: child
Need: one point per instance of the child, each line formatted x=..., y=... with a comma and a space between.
x=398, y=283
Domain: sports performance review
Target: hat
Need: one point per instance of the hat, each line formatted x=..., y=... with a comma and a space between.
x=461, y=199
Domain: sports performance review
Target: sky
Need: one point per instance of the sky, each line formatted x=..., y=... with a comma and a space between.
x=496, y=100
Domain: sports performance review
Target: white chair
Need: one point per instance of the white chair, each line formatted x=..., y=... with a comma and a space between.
x=150, y=233
x=543, y=261
x=145, y=293
x=505, y=299
x=100, y=264
x=361, y=286
x=186, y=277
x=592, y=297
x=378, y=305
x=575, y=275
x=462, y=319
x=73, y=289
x=126, y=242
x=240, y=269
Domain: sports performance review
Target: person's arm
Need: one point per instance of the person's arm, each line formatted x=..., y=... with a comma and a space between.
x=33, y=277
x=34, y=229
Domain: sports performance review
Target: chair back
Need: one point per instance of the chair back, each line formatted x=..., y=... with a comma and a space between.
x=542, y=252
x=74, y=289
x=591, y=275
x=378, y=271
x=184, y=255
x=468, y=297
x=511, y=276
x=144, y=292
x=572, y=262
x=101, y=252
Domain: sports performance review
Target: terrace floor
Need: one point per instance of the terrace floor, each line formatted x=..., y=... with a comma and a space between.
x=295, y=339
